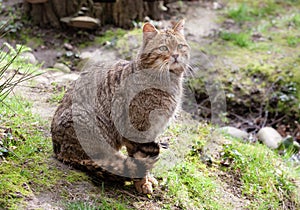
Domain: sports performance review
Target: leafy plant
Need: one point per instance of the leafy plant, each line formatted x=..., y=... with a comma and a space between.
x=13, y=69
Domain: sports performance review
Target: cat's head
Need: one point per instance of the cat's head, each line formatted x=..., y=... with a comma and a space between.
x=164, y=50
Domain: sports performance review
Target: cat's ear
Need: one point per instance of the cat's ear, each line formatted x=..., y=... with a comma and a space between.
x=179, y=27
x=149, y=31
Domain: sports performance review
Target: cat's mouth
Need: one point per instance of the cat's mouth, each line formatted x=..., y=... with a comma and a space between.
x=175, y=63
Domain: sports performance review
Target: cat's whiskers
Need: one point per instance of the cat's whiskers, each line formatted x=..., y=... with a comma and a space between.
x=164, y=74
x=157, y=71
x=189, y=70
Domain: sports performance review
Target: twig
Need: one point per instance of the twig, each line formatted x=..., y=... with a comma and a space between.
x=243, y=119
x=134, y=196
x=265, y=119
x=276, y=121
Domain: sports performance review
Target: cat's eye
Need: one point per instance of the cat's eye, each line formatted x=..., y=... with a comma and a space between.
x=180, y=46
x=163, y=48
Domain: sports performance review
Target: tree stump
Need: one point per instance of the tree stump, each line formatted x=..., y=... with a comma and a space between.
x=120, y=13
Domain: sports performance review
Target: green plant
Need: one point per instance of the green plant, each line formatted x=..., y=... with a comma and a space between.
x=263, y=175
x=295, y=20
x=13, y=69
x=26, y=150
x=191, y=188
x=12, y=23
x=239, y=39
x=293, y=41
x=240, y=14
x=57, y=94
x=110, y=35
x=252, y=10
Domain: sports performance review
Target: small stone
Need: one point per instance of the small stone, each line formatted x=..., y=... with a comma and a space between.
x=69, y=53
x=68, y=46
x=62, y=67
x=59, y=54
x=29, y=57
x=229, y=22
x=234, y=132
x=217, y=6
x=270, y=137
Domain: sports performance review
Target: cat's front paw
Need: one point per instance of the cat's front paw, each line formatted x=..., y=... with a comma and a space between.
x=146, y=185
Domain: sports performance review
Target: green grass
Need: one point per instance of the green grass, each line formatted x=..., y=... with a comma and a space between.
x=57, y=94
x=293, y=41
x=266, y=180
x=190, y=188
x=26, y=170
x=243, y=11
x=110, y=35
x=240, y=14
x=25, y=165
x=295, y=20
x=239, y=39
x=190, y=184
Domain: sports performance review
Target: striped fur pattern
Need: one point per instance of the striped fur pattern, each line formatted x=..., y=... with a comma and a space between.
x=165, y=54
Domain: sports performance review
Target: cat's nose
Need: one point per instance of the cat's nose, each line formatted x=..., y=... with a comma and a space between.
x=175, y=56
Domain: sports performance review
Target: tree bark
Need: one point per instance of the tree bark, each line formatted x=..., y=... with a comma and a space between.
x=120, y=13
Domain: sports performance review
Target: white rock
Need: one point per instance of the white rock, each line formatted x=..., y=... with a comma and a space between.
x=68, y=78
x=28, y=56
x=86, y=54
x=62, y=67
x=234, y=132
x=270, y=137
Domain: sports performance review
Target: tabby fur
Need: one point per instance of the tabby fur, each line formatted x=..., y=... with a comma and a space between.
x=164, y=55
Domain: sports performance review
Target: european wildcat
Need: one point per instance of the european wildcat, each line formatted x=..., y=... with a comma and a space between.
x=126, y=104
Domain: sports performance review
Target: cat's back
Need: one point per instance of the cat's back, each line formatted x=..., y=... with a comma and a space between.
x=94, y=87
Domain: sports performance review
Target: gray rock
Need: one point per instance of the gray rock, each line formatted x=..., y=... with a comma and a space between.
x=62, y=67
x=234, y=132
x=270, y=137
x=29, y=57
